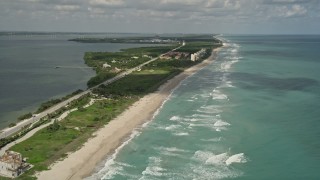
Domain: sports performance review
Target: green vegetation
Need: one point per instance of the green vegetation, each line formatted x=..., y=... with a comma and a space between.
x=52, y=102
x=195, y=46
x=152, y=51
x=12, y=124
x=154, y=39
x=99, y=78
x=54, y=142
x=25, y=116
x=136, y=40
x=48, y=104
x=76, y=103
x=136, y=84
x=120, y=61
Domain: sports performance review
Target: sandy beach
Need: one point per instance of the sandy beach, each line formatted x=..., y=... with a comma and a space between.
x=82, y=163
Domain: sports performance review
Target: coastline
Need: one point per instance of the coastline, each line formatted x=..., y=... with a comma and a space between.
x=112, y=135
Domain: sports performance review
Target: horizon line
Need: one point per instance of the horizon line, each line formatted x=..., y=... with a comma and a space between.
x=92, y=32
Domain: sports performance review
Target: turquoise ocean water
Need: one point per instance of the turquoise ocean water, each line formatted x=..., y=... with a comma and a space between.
x=252, y=114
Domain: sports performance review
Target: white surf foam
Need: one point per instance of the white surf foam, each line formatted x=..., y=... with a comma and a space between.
x=206, y=173
x=153, y=169
x=227, y=84
x=174, y=149
x=237, y=158
x=172, y=127
x=234, y=50
x=186, y=120
x=175, y=118
x=202, y=155
x=217, y=95
x=220, y=123
x=158, y=110
x=170, y=151
x=225, y=66
x=206, y=111
x=181, y=134
x=210, y=158
x=112, y=167
x=203, y=116
x=231, y=58
x=212, y=108
x=194, y=120
x=217, y=159
x=197, y=125
x=218, y=139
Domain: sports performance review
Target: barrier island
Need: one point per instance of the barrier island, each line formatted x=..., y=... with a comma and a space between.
x=62, y=136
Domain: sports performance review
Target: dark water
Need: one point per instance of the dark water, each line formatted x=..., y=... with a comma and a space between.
x=27, y=71
x=252, y=114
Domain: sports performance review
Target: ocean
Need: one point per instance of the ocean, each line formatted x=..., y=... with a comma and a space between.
x=251, y=114
x=28, y=76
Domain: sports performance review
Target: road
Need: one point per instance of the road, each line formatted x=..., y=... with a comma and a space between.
x=10, y=131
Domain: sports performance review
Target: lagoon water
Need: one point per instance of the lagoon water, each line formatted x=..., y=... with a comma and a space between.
x=28, y=75
x=252, y=114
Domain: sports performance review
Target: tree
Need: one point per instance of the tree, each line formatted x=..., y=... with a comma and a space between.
x=54, y=127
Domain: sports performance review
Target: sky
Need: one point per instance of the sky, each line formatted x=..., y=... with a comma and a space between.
x=162, y=16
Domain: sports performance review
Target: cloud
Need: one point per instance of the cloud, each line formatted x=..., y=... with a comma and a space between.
x=296, y=10
x=288, y=2
x=106, y=2
x=232, y=13
x=288, y=11
x=66, y=7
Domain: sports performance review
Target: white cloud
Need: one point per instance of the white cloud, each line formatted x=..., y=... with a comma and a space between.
x=296, y=10
x=183, y=2
x=290, y=11
x=66, y=7
x=107, y=2
x=214, y=4
x=96, y=10
x=208, y=12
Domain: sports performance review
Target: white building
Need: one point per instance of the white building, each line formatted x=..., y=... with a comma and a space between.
x=196, y=56
x=12, y=164
x=193, y=57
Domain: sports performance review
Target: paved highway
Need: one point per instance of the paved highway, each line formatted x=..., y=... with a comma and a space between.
x=10, y=131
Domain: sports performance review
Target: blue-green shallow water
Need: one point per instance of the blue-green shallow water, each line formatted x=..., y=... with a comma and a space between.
x=252, y=114
x=27, y=70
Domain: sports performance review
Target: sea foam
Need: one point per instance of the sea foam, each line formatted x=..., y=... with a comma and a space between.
x=175, y=118
x=213, y=166
x=210, y=158
x=153, y=169
x=181, y=134
x=221, y=123
x=237, y=158
x=111, y=166
x=172, y=127
x=218, y=95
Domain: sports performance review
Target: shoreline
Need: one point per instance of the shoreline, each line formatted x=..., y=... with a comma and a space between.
x=107, y=139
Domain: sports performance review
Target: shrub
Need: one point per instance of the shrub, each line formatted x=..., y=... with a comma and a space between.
x=25, y=116
x=12, y=124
